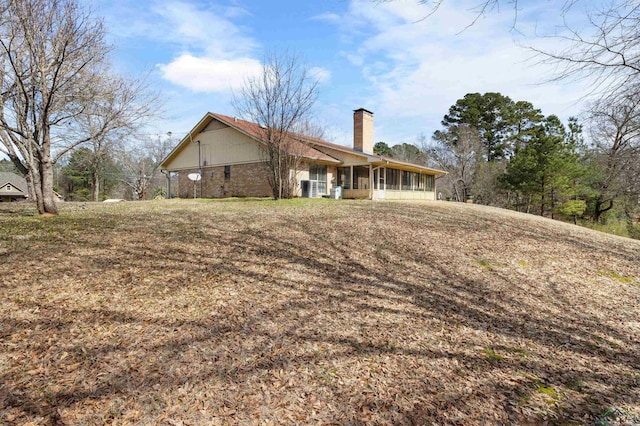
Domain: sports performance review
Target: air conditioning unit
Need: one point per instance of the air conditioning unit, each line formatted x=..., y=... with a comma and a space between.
x=309, y=188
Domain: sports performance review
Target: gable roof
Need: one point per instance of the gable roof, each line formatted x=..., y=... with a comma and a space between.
x=14, y=180
x=309, y=147
x=255, y=132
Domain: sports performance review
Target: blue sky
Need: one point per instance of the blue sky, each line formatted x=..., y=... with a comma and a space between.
x=365, y=53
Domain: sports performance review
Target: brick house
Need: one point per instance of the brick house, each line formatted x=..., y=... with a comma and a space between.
x=12, y=187
x=228, y=152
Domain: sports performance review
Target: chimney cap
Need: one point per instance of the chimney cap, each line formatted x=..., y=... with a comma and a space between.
x=363, y=109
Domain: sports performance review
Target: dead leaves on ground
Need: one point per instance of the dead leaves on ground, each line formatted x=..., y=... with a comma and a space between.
x=314, y=312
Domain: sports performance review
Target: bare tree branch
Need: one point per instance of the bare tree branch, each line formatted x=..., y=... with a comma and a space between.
x=54, y=76
x=615, y=132
x=279, y=101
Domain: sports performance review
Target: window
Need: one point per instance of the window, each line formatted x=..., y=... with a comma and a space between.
x=227, y=172
x=9, y=188
x=361, y=177
x=319, y=173
x=344, y=177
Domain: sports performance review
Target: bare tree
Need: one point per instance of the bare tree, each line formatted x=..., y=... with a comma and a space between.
x=615, y=132
x=458, y=152
x=140, y=163
x=606, y=51
x=53, y=74
x=485, y=7
x=112, y=119
x=279, y=100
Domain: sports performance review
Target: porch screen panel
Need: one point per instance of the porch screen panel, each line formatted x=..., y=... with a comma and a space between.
x=430, y=182
x=393, y=179
x=319, y=172
x=406, y=181
x=375, y=179
x=361, y=177
x=344, y=177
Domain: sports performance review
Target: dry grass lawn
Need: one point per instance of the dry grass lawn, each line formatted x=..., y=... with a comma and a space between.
x=314, y=312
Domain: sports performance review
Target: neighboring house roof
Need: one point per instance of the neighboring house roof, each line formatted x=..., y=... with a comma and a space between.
x=309, y=147
x=15, y=181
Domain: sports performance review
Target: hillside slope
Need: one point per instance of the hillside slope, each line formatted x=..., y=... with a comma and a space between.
x=314, y=312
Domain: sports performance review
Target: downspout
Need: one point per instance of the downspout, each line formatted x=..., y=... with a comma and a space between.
x=168, y=175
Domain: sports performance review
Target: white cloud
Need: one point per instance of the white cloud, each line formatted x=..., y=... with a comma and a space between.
x=206, y=29
x=323, y=75
x=328, y=17
x=207, y=51
x=222, y=59
x=202, y=74
x=419, y=68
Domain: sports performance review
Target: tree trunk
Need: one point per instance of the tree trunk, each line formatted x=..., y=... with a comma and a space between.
x=31, y=187
x=95, y=180
x=47, y=204
x=542, y=199
x=37, y=189
x=599, y=208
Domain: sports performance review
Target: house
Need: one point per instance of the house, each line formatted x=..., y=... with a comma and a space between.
x=229, y=153
x=12, y=187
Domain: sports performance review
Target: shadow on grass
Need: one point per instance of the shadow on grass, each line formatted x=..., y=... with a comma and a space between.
x=312, y=289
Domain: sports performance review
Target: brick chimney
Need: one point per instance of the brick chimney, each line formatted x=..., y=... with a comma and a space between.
x=363, y=131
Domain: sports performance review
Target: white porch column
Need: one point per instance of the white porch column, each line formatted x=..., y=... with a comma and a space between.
x=385, y=180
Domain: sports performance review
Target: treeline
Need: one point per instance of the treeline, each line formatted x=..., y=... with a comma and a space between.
x=113, y=169
x=508, y=154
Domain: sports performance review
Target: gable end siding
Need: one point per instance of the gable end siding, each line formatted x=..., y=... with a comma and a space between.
x=219, y=145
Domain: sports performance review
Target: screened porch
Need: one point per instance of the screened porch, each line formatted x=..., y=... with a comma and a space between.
x=385, y=182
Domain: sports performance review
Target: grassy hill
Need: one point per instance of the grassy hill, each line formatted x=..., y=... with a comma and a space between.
x=314, y=312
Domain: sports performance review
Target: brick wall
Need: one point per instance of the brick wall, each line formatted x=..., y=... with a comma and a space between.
x=247, y=180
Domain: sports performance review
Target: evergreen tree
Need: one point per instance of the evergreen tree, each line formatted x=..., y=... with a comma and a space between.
x=77, y=175
x=381, y=148
x=409, y=153
x=7, y=166
x=546, y=172
x=488, y=114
